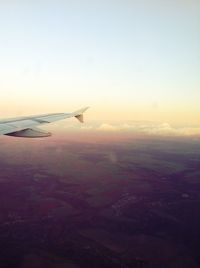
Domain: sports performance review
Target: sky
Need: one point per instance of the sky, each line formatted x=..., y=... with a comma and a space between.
x=128, y=60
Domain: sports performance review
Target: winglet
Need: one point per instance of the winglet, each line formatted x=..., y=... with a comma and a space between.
x=79, y=114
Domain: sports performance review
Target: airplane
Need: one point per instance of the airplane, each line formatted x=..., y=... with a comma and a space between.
x=26, y=126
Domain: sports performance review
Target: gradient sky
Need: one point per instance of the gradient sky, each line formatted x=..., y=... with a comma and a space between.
x=138, y=60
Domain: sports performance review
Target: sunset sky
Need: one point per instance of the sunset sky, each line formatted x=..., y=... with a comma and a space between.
x=133, y=60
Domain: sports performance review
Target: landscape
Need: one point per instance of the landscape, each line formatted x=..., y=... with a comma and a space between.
x=120, y=186
x=90, y=200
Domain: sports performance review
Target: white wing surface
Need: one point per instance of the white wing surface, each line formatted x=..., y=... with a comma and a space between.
x=27, y=126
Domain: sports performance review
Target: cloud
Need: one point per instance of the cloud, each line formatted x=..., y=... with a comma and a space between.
x=107, y=127
x=150, y=128
x=160, y=129
x=85, y=127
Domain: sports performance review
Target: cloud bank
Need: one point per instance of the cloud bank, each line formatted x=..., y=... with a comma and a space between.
x=150, y=128
x=146, y=128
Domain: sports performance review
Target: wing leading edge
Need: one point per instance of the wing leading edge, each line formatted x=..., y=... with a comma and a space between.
x=27, y=126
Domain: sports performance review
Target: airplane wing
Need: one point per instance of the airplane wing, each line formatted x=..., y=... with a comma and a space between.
x=27, y=126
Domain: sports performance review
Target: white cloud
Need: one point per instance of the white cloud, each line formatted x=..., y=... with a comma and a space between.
x=150, y=128
x=85, y=127
x=107, y=127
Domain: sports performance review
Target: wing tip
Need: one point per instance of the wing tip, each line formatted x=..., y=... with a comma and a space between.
x=79, y=114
